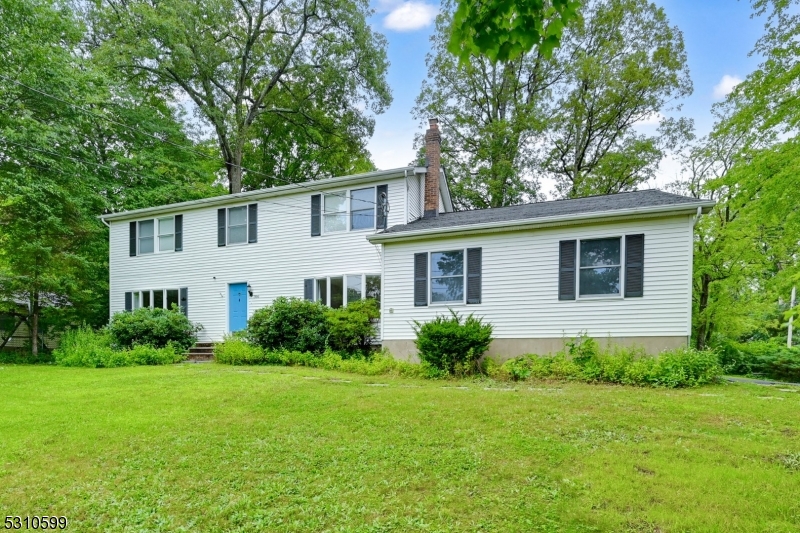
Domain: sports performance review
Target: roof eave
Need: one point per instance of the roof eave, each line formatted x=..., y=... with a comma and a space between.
x=320, y=185
x=560, y=220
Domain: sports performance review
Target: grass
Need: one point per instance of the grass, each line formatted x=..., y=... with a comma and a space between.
x=216, y=448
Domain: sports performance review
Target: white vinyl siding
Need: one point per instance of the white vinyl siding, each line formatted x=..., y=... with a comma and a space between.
x=520, y=284
x=414, y=200
x=275, y=266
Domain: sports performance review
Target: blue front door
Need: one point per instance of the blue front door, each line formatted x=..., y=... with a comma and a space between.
x=237, y=312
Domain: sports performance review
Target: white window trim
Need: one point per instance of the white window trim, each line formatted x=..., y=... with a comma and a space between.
x=595, y=297
x=463, y=300
x=156, y=229
x=347, y=204
x=228, y=225
x=152, y=292
x=344, y=286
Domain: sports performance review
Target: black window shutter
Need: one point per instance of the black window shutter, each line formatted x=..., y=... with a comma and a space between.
x=184, y=300
x=221, y=227
x=178, y=233
x=474, y=272
x=308, y=289
x=316, y=215
x=252, y=223
x=380, y=219
x=566, y=270
x=133, y=239
x=634, y=265
x=420, y=280
x=129, y=301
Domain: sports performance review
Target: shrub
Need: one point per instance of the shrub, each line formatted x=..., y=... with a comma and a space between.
x=584, y=360
x=781, y=363
x=237, y=351
x=351, y=329
x=88, y=348
x=452, y=344
x=154, y=327
x=290, y=324
x=143, y=354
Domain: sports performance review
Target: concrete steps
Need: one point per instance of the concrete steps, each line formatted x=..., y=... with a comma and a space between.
x=202, y=352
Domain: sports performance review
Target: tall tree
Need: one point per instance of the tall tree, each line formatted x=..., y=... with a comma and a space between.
x=238, y=61
x=624, y=64
x=570, y=118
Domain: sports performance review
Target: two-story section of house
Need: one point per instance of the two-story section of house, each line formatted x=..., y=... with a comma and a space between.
x=219, y=259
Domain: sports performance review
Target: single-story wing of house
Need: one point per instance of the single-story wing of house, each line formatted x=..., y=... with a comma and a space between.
x=615, y=267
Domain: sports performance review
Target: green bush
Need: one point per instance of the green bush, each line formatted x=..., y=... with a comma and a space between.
x=153, y=327
x=583, y=360
x=290, y=324
x=452, y=344
x=771, y=357
x=781, y=363
x=237, y=351
x=351, y=329
x=86, y=347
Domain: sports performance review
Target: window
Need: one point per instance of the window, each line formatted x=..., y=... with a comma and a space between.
x=166, y=234
x=172, y=298
x=362, y=209
x=599, y=267
x=353, y=288
x=345, y=289
x=146, y=236
x=334, y=217
x=157, y=298
x=447, y=276
x=237, y=225
x=373, y=288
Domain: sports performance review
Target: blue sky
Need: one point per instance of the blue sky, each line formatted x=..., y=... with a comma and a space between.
x=719, y=34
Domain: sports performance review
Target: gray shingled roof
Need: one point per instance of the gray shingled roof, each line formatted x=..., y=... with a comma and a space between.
x=591, y=204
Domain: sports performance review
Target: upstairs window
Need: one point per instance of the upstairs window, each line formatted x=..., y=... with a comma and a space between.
x=334, y=217
x=166, y=234
x=146, y=237
x=362, y=209
x=237, y=225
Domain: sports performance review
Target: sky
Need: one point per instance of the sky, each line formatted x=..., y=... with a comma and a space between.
x=718, y=35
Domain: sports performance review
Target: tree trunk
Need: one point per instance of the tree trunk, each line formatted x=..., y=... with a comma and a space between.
x=34, y=325
x=702, y=328
x=234, y=169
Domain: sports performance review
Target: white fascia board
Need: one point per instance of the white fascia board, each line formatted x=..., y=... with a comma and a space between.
x=559, y=220
x=311, y=186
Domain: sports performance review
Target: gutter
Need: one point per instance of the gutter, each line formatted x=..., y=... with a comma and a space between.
x=311, y=186
x=557, y=220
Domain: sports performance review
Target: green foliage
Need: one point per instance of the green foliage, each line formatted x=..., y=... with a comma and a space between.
x=585, y=361
x=503, y=31
x=770, y=358
x=238, y=351
x=274, y=93
x=290, y=324
x=24, y=357
x=453, y=344
x=155, y=327
x=351, y=329
x=85, y=347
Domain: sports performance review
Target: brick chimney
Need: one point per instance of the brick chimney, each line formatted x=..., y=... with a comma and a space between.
x=433, y=149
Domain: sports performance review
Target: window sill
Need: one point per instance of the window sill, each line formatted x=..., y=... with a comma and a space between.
x=598, y=298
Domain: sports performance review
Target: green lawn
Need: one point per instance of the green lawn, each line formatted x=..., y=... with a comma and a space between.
x=215, y=448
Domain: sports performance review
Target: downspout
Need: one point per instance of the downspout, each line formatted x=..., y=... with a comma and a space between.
x=697, y=216
x=106, y=224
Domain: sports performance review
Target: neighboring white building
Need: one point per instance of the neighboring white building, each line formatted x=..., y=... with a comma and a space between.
x=616, y=267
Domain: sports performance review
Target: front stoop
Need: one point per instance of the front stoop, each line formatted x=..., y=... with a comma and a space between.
x=202, y=352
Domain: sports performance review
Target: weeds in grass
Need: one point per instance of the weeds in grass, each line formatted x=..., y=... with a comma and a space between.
x=85, y=347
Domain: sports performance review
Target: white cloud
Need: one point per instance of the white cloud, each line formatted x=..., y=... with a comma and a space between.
x=725, y=86
x=653, y=119
x=410, y=16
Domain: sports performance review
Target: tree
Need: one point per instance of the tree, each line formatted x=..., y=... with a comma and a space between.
x=248, y=66
x=504, y=31
x=624, y=65
x=570, y=118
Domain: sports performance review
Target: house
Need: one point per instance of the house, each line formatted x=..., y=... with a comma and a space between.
x=616, y=267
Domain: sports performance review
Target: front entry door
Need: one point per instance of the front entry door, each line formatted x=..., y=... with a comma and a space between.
x=237, y=303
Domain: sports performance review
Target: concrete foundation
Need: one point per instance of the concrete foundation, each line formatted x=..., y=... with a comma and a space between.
x=502, y=349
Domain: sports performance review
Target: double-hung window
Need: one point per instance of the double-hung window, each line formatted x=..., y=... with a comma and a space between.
x=334, y=216
x=166, y=234
x=600, y=267
x=362, y=208
x=447, y=276
x=237, y=225
x=146, y=236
